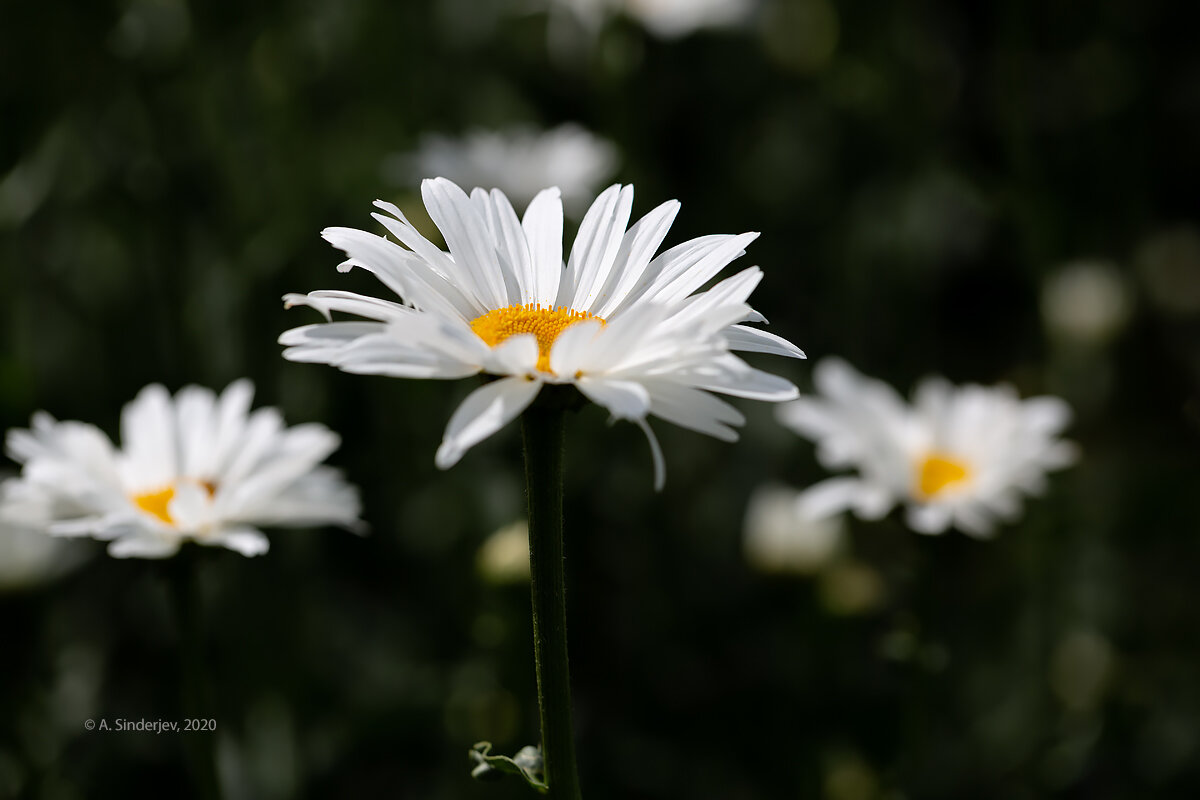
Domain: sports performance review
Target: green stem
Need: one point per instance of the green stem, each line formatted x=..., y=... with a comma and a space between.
x=183, y=581
x=542, y=432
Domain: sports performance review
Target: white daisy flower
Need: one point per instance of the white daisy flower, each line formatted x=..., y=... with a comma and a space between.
x=666, y=19
x=30, y=558
x=196, y=466
x=778, y=537
x=520, y=161
x=628, y=329
x=959, y=456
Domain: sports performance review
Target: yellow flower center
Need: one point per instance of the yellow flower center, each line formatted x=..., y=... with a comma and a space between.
x=544, y=323
x=155, y=503
x=937, y=472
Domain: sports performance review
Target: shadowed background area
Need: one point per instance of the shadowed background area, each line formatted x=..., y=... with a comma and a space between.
x=1000, y=194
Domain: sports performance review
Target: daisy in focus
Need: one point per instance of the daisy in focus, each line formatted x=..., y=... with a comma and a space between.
x=520, y=161
x=957, y=456
x=629, y=329
x=194, y=467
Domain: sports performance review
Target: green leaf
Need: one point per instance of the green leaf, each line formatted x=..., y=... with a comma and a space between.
x=527, y=763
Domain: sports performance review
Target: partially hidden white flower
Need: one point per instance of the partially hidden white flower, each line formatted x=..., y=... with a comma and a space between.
x=30, y=558
x=520, y=161
x=628, y=329
x=960, y=456
x=778, y=536
x=504, y=556
x=194, y=467
x=667, y=19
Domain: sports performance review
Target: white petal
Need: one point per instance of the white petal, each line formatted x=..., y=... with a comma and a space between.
x=247, y=541
x=190, y=508
x=754, y=340
x=144, y=547
x=637, y=250
x=232, y=409
x=468, y=238
x=195, y=412
x=730, y=375
x=328, y=300
x=974, y=520
x=149, y=438
x=259, y=436
x=836, y=495
x=934, y=518
x=482, y=413
x=543, y=226
x=573, y=348
x=511, y=245
x=595, y=248
x=684, y=275
x=694, y=409
x=623, y=399
x=408, y=275
x=1047, y=415
x=656, y=455
x=609, y=346
x=516, y=355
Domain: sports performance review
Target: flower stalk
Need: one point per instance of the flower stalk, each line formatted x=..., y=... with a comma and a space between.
x=183, y=584
x=542, y=434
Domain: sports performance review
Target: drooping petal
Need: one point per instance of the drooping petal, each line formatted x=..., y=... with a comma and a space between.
x=623, y=399
x=656, y=455
x=145, y=546
x=247, y=541
x=485, y=411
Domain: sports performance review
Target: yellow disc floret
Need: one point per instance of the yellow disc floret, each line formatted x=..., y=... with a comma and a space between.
x=544, y=323
x=936, y=472
x=155, y=503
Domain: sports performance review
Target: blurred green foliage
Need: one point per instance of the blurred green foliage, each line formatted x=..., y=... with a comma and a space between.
x=917, y=170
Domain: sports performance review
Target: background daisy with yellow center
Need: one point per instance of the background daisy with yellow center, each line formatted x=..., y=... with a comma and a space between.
x=195, y=466
x=631, y=330
x=957, y=456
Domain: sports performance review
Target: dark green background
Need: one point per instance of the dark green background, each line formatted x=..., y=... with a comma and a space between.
x=916, y=169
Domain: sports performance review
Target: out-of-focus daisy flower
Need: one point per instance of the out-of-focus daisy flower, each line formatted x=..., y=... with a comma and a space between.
x=520, y=161
x=504, y=556
x=28, y=557
x=196, y=466
x=1169, y=264
x=667, y=19
x=779, y=537
x=957, y=456
x=628, y=329
x=1086, y=302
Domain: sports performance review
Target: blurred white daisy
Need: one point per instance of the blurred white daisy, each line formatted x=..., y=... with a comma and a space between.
x=1086, y=302
x=959, y=456
x=196, y=466
x=30, y=558
x=628, y=329
x=779, y=537
x=667, y=19
x=520, y=161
